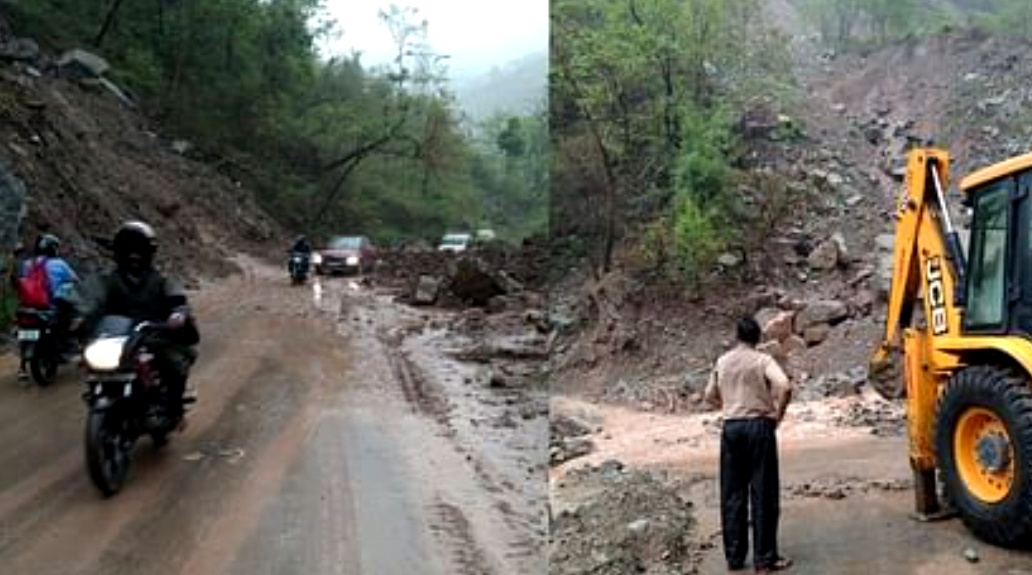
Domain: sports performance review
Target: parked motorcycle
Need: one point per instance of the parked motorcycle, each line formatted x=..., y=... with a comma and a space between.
x=298, y=267
x=126, y=398
x=38, y=345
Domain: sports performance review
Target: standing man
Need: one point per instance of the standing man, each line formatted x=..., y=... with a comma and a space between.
x=753, y=392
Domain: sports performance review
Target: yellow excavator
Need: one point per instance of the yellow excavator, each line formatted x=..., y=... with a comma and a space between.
x=960, y=325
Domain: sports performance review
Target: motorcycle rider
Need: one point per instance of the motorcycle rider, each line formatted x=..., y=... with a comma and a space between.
x=303, y=248
x=61, y=280
x=136, y=289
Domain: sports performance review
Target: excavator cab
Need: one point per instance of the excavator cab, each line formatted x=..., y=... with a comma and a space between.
x=962, y=324
x=999, y=278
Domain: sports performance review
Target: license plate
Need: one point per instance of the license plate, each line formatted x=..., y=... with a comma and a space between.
x=28, y=335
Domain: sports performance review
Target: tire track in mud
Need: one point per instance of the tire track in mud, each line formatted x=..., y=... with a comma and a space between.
x=418, y=390
x=477, y=531
x=456, y=533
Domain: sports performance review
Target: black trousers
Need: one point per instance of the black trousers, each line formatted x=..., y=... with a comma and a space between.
x=749, y=475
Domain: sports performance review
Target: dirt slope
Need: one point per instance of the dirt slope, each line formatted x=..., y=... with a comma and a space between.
x=89, y=161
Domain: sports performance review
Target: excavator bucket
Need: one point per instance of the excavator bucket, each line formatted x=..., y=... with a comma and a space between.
x=885, y=375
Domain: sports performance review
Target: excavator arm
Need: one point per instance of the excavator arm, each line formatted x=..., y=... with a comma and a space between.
x=928, y=261
x=928, y=269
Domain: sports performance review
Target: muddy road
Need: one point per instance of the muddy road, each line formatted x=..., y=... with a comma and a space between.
x=846, y=492
x=327, y=440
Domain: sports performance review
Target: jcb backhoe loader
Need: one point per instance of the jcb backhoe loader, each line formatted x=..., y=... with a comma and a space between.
x=964, y=329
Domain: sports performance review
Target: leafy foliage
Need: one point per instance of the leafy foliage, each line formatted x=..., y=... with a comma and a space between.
x=331, y=146
x=642, y=95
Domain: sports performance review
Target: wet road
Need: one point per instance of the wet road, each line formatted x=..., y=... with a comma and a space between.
x=302, y=456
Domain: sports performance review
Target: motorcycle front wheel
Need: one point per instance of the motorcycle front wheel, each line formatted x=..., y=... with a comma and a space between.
x=107, y=451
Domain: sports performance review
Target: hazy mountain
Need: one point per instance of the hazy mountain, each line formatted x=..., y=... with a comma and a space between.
x=518, y=86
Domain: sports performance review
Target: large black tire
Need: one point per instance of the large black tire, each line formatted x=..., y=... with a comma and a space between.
x=43, y=366
x=983, y=393
x=107, y=452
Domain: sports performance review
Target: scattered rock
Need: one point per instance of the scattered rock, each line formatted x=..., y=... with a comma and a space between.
x=729, y=260
x=181, y=147
x=820, y=311
x=971, y=555
x=638, y=526
x=816, y=334
x=863, y=302
x=635, y=523
x=13, y=209
x=793, y=345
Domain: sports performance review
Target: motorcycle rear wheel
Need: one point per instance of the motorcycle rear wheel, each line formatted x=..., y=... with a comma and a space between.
x=44, y=368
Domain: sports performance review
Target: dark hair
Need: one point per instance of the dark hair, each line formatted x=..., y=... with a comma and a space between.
x=749, y=331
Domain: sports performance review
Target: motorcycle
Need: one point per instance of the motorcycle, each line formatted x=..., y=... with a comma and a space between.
x=126, y=398
x=37, y=345
x=298, y=267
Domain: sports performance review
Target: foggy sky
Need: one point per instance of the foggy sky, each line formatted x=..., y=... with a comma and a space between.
x=476, y=34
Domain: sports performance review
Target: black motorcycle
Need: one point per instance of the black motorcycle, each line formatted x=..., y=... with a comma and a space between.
x=37, y=344
x=126, y=397
x=298, y=266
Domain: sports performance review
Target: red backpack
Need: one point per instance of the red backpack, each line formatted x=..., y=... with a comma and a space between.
x=34, y=286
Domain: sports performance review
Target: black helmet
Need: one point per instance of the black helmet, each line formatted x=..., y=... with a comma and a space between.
x=47, y=245
x=135, y=237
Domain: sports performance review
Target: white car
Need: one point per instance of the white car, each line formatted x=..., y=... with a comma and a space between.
x=455, y=243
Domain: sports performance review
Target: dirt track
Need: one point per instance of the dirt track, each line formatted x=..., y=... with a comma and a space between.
x=846, y=498
x=304, y=455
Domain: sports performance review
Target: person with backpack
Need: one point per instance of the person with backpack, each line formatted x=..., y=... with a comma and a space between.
x=48, y=284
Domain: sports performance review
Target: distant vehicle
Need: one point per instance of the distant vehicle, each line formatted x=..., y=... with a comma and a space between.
x=485, y=235
x=455, y=243
x=344, y=254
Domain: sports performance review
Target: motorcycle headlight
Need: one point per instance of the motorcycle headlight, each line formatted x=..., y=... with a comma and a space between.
x=353, y=261
x=105, y=354
x=316, y=259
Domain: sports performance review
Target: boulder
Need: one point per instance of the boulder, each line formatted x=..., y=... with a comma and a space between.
x=825, y=256
x=79, y=63
x=20, y=49
x=427, y=290
x=820, y=312
x=779, y=327
x=473, y=282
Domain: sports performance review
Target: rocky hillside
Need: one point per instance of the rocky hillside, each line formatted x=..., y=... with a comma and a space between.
x=819, y=279
x=77, y=158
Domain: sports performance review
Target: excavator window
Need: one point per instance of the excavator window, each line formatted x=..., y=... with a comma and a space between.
x=987, y=278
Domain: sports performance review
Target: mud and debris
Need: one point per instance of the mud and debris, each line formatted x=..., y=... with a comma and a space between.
x=636, y=523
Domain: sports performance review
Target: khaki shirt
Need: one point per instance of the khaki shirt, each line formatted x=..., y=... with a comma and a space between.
x=748, y=384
